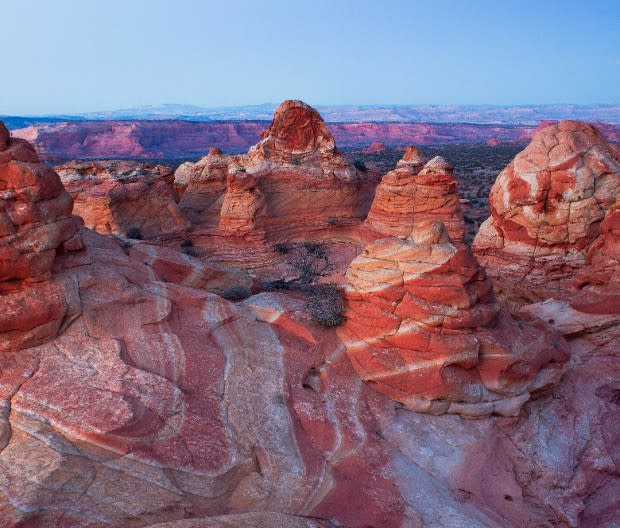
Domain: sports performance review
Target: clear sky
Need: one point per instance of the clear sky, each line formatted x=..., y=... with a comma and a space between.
x=66, y=56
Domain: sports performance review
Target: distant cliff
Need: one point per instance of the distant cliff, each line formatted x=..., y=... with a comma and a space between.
x=187, y=139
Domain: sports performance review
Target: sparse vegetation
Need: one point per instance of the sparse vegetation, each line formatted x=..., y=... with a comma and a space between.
x=282, y=248
x=325, y=304
x=187, y=243
x=360, y=166
x=236, y=293
x=134, y=233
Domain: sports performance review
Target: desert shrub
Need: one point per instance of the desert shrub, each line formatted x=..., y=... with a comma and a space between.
x=187, y=243
x=236, y=293
x=315, y=249
x=279, y=284
x=325, y=304
x=190, y=251
x=332, y=221
x=310, y=261
x=134, y=232
x=360, y=166
x=282, y=247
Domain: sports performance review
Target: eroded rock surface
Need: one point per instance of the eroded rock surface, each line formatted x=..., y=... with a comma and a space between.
x=148, y=400
x=548, y=206
x=416, y=191
x=423, y=327
x=115, y=196
x=35, y=223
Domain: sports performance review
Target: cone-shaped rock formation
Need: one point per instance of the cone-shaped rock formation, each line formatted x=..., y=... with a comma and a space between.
x=423, y=326
x=416, y=192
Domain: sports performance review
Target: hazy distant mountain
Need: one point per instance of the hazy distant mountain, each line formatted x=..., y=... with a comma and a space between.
x=483, y=114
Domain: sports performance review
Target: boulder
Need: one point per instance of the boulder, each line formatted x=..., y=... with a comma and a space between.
x=547, y=210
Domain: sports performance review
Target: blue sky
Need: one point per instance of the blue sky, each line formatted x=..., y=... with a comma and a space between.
x=64, y=56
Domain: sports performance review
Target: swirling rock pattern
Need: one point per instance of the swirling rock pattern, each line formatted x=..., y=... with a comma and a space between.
x=547, y=207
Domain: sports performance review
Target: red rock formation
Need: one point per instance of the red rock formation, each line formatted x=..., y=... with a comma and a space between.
x=169, y=265
x=547, y=207
x=189, y=406
x=35, y=221
x=242, y=205
x=116, y=196
x=184, y=139
x=594, y=305
x=376, y=147
x=292, y=186
x=161, y=402
x=293, y=178
x=424, y=328
x=303, y=177
x=416, y=193
x=202, y=186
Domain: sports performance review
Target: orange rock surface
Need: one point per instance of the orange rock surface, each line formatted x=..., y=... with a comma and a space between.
x=423, y=327
x=415, y=192
x=547, y=207
x=115, y=196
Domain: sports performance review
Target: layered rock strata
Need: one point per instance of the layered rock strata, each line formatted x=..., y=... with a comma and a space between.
x=423, y=327
x=114, y=197
x=35, y=223
x=416, y=191
x=294, y=179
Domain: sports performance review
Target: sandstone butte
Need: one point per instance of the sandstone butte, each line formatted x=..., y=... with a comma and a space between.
x=416, y=191
x=293, y=185
x=158, y=403
x=294, y=176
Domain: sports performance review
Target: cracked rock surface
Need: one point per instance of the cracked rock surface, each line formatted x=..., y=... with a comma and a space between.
x=547, y=209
